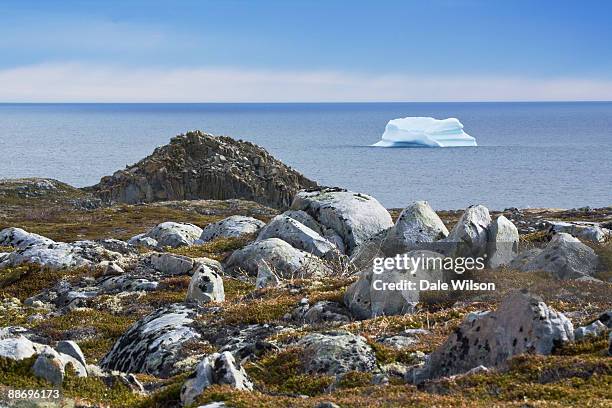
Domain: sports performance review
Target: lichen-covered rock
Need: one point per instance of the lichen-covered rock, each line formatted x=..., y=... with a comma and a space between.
x=231, y=227
x=364, y=254
x=372, y=295
x=51, y=366
x=282, y=258
x=583, y=230
x=298, y=236
x=218, y=368
x=337, y=352
x=564, y=257
x=174, y=234
x=469, y=236
x=17, y=347
x=523, y=323
x=594, y=329
x=33, y=248
x=355, y=217
x=503, y=242
x=325, y=311
x=71, y=349
x=205, y=286
x=20, y=239
x=171, y=264
x=266, y=276
x=153, y=344
x=142, y=240
x=202, y=166
x=417, y=224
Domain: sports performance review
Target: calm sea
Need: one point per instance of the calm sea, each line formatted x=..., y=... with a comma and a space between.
x=529, y=154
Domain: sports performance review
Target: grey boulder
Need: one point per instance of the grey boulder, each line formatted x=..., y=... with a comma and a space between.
x=523, y=323
x=337, y=352
x=174, y=234
x=353, y=216
x=154, y=344
x=298, y=236
x=386, y=293
x=594, y=329
x=218, y=368
x=469, y=237
x=51, y=366
x=231, y=227
x=282, y=258
x=503, y=242
x=565, y=257
x=417, y=224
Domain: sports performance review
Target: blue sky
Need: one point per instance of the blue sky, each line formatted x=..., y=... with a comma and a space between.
x=305, y=50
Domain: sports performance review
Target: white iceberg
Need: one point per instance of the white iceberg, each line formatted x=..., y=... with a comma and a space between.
x=425, y=132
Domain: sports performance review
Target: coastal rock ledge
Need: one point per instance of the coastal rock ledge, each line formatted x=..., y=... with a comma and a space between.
x=198, y=165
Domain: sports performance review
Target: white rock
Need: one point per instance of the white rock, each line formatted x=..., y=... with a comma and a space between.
x=72, y=349
x=353, y=216
x=218, y=368
x=306, y=219
x=503, y=242
x=584, y=230
x=17, y=348
x=417, y=224
x=266, y=276
x=298, y=236
x=234, y=226
x=205, y=286
x=20, y=239
x=595, y=329
x=286, y=261
x=469, y=236
x=153, y=344
x=171, y=264
x=175, y=234
x=366, y=297
x=565, y=257
x=337, y=352
x=523, y=323
x=142, y=240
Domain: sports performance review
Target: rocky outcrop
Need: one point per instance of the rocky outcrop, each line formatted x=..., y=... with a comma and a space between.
x=198, y=165
x=354, y=217
x=523, y=323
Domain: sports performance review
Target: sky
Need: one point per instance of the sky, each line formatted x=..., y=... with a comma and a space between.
x=305, y=51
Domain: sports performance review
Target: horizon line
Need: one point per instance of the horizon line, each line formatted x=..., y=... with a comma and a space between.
x=298, y=102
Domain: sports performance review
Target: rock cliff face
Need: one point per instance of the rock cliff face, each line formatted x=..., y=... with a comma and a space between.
x=197, y=165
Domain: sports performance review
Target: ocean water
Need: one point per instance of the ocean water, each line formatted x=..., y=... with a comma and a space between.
x=529, y=154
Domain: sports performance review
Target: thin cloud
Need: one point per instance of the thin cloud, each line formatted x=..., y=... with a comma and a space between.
x=76, y=82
